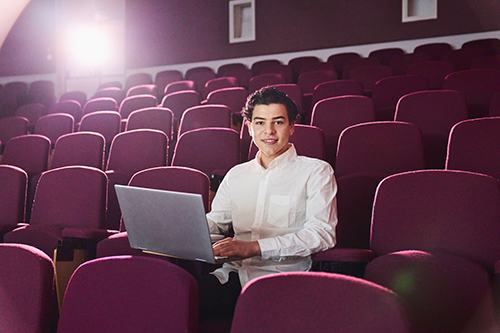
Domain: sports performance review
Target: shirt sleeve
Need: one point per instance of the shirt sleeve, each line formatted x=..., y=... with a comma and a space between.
x=318, y=231
x=220, y=218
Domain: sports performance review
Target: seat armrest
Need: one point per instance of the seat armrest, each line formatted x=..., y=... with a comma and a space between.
x=84, y=233
x=344, y=255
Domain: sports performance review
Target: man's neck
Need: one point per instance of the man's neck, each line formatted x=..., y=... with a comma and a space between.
x=265, y=160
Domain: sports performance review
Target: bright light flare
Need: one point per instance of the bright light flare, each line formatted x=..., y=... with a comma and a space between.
x=88, y=45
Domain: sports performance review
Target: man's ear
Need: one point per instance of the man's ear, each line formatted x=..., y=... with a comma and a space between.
x=249, y=125
x=292, y=128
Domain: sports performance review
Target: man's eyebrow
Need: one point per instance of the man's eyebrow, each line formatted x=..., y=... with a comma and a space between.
x=275, y=118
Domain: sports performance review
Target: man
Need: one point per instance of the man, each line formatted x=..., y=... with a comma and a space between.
x=281, y=206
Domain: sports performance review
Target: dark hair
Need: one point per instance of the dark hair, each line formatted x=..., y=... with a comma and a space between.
x=266, y=96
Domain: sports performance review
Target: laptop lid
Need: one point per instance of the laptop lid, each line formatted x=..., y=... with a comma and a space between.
x=166, y=222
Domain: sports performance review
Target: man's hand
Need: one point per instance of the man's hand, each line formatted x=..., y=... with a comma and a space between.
x=229, y=247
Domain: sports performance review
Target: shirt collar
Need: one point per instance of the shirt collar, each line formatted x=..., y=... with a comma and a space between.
x=281, y=160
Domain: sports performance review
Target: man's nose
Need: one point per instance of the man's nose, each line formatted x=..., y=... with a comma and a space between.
x=270, y=128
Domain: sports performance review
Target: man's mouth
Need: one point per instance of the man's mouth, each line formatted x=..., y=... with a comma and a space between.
x=269, y=141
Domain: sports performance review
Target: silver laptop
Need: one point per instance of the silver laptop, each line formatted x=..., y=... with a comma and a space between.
x=167, y=223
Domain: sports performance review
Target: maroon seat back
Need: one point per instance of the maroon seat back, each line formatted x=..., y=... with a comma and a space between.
x=355, y=196
x=41, y=91
x=54, y=125
x=434, y=51
x=356, y=63
x=219, y=83
x=79, y=148
x=379, y=147
x=388, y=91
x=27, y=279
x=309, y=80
x=263, y=80
x=488, y=46
x=202, y=116
x=32, y=112
x=331, y=302
x=11, y=127
x=179, y=101
x=400, y=63
x=494, y=109
x=462, y=58
x=75, y=95
x=137, y=79
x=13, y=187
x=242, y=74
x=136, y=150
x=444, y=293
x=235, y=98
x=335, y=114
x=297, y=63
x=336, y=88
x=369, y=75
x=284, y=70
x=70, y=197
x=136, y=102
x=474, y=145
x=179, y=85
x=492, y=61
x=115, y=93
x=316, y=66
x=70, y=106
x=143, y=89
x=435, y=71
x=200, y=76
x=152, y=294
x=385, y=55
x=223, y=70
x=106, y=123
x=28, y=152
x=339, y=59
x=259, y=65
x=454, y=212
x=154, y=118
x=435, y=113
x=163, y=78
x=478, y=86
x=210, y=150
x=100, y=104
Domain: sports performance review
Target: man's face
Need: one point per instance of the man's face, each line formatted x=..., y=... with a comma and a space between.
x=270, y=130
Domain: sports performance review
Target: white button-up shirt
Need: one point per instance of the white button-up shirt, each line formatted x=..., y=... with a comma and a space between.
x=289, y=208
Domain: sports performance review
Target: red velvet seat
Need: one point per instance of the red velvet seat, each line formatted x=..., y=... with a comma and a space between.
x=28, y=294
x=318, y=302
x=435, y=113
x=126, y=293
x=70, y=202
x=335, y=114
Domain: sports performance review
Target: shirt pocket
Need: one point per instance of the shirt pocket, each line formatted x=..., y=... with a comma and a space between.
x=282, y=210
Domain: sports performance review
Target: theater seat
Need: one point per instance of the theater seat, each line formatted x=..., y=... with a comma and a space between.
x=317, y=302
x=129, y=294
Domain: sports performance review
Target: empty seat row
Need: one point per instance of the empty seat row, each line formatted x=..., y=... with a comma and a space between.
x=155, y=295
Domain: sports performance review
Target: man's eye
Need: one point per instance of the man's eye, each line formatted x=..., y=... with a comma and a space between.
x=278, y=122
x=259, y=123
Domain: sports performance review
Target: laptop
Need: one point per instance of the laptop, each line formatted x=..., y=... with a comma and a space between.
x=167, y=223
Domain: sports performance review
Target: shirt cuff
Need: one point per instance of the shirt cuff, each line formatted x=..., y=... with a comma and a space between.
x=268, y=248
x=212, y=227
